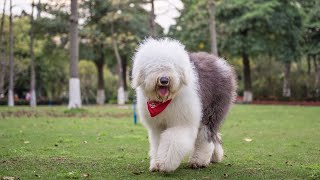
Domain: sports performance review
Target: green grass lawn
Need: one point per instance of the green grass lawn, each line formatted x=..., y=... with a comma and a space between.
x=103, y=143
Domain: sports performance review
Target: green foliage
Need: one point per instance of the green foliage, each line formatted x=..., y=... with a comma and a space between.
x=57, y=23
x=244, y=25
x=102, y=143
x=21, y=54
x=287, y=29
x=261, y=28
x=268, y=31
x=88, y=79
x=192, y=28
x=269, y=86
x=51, y=46
x=127, y=23
x=51, y=60
x=111, y=85
x=52, y=69
x=312, y=27
x=130, y=28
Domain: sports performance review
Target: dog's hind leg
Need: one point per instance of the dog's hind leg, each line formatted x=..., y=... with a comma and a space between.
x=203, y=150
x=175, y=144
x=218, y=152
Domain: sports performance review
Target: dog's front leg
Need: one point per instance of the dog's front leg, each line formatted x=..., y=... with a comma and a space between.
x=154, y=138
x=175, y=143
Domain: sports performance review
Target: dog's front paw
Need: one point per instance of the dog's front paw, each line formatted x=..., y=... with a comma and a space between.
x=154, y=166
x=165, y=167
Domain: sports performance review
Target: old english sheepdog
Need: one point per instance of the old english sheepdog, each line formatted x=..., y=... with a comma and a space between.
x=182, y=98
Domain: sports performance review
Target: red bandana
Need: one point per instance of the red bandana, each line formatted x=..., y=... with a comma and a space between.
x=156, y=108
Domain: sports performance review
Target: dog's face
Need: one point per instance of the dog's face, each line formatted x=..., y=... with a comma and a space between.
x=160, y=81
x=160, y=68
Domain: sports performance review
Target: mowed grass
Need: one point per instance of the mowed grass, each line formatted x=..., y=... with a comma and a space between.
x=260, y=142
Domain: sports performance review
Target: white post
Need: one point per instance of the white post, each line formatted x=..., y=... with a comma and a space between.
x=74, y=93
x=121, y=96
x=10, y=98
x=247, y=96
x=33, y=99
x=100, y=96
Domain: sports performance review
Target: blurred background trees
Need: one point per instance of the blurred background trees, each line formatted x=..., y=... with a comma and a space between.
x=266, y=41
x=274, y=46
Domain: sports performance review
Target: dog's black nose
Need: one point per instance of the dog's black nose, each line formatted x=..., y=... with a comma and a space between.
x=164, y=80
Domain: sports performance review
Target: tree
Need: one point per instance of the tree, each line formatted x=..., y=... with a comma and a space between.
x=152, y=23
x=121, y=93
x=11, y=60
x=50, y=51
x=2, y=52
x=312, y=40
x=287, y=30
x=212, y=26
x=100, y=62
x=74, y=82
x=88, y=78
x=33, y=98
x=246, y=32
x=127, y=28
x=95, y=46
x=111, y=29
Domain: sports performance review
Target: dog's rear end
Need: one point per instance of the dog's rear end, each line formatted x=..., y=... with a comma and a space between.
x=217, y=90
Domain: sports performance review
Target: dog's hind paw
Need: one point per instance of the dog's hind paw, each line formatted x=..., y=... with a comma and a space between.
x=197, y=165
x=218, y=153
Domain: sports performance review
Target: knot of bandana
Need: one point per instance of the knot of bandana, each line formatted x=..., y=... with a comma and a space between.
x=156, y=107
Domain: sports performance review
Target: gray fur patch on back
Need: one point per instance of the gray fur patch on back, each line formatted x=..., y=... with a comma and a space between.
x=217, y=84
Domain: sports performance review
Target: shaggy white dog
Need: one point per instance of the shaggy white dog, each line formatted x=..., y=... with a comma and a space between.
x=181, y=99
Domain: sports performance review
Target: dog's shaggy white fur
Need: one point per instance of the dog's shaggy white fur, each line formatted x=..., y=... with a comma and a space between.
x=187, y=124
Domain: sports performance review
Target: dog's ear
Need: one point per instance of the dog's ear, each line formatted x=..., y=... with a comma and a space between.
x=184, y=77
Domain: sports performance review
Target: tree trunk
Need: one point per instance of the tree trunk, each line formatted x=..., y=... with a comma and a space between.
x=2, y=53
x=212, y=25
x=74, y=82
x=11, y=59
x=121, y=94
x=152, y=23
x=39, y=9
x=2, y=77
x=318, y=81
x=309, y=75
x=286, y=91
x=247, y=95
x=100, y=91
x=33, y=98
x=315, y=63
x=309, y=64
x=124, y=77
